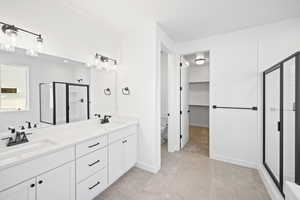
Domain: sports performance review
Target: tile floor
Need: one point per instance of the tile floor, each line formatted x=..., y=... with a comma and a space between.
x=189, y=175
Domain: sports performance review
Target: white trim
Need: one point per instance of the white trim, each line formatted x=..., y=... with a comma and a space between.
x=269, y=184
x=147, y=167
x=234, y=161
x=199, y=125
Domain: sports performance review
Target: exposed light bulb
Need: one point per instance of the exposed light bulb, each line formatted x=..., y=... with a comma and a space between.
x=31, y=52
x=9, y=38
x=88, y=64
x=40, y=43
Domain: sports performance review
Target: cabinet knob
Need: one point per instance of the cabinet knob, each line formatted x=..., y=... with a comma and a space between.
x=40, y=181
x=32, y=185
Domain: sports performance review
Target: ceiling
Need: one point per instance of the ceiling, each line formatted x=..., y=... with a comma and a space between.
x=185, y=20
x=182, y=20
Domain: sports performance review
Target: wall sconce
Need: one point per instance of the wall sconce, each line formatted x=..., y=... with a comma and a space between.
x=107, y=92
x=108, y=63
x=10, y=38
x=126, y=91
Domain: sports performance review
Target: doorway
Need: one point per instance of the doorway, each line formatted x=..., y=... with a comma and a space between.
x=194, y=102
x=164, y=99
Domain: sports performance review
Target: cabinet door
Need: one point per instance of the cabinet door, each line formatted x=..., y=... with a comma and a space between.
x=130, y=146
x=23, y=191
x=116, y=158
x=58, y=184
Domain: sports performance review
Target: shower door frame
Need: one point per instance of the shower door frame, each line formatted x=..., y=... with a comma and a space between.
x=279, y=66
x=67, y=100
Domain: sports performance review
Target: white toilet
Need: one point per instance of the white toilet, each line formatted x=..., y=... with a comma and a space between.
x=164, y=130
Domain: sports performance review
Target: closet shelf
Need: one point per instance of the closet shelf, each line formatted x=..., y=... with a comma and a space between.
x=200, y=105
x=199, y=82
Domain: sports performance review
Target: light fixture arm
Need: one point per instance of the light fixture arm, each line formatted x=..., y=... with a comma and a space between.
x=6, y=25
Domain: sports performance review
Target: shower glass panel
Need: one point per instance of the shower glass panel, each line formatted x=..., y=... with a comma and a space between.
x=60, y=103
x=78, y=103
x=46, y=103
x=289, y=68
x=272, y=119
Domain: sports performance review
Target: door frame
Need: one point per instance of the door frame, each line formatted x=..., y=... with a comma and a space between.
x=279, y=183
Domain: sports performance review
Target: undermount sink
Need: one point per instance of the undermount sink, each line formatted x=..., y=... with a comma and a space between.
x=12, y=154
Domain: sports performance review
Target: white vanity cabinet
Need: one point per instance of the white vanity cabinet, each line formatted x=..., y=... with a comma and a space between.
x=58, y=184
x=79, y=171
x=122, y=155
x=22, y=191
x=46, y=178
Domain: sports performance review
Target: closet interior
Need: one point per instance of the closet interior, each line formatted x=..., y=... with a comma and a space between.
x=198, y=96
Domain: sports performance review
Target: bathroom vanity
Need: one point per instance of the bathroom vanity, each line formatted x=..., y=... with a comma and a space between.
x=68, y=162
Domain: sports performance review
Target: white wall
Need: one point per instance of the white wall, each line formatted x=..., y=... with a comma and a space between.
x=101, y=103
x=137, y=72
x=41, y=69
x=199, y=116
x=274, y=42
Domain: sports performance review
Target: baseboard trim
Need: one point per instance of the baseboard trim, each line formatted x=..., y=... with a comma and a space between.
x=199, y=125
x=147, y=167
x=234, y=161
x=269, y=184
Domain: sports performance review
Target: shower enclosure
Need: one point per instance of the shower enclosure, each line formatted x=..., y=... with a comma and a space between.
x=281, y=121
x=62, y=102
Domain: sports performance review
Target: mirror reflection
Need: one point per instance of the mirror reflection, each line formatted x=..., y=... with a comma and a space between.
x=44, y=89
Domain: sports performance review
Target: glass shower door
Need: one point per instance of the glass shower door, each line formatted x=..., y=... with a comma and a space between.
x=78, y=102
x=272, y=123
x=289, y=117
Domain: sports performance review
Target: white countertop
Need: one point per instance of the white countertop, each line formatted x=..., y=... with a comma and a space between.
x=292, y=191
x=55, y=138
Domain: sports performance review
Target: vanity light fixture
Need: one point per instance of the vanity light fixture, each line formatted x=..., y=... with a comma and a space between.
x=109, y=63
x=10, y=38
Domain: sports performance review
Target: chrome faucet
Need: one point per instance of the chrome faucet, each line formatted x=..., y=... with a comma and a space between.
x=105, y=119
x=20, y=138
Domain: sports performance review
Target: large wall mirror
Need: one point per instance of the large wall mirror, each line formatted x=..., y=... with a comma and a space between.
x=51, y=90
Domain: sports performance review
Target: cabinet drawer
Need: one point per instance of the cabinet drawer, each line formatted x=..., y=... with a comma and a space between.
x=91, y=187
x=90, y=145
x=91, y=163
x=122, y=133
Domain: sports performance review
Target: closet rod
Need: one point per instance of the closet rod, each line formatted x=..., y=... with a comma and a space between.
x=240, y=108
